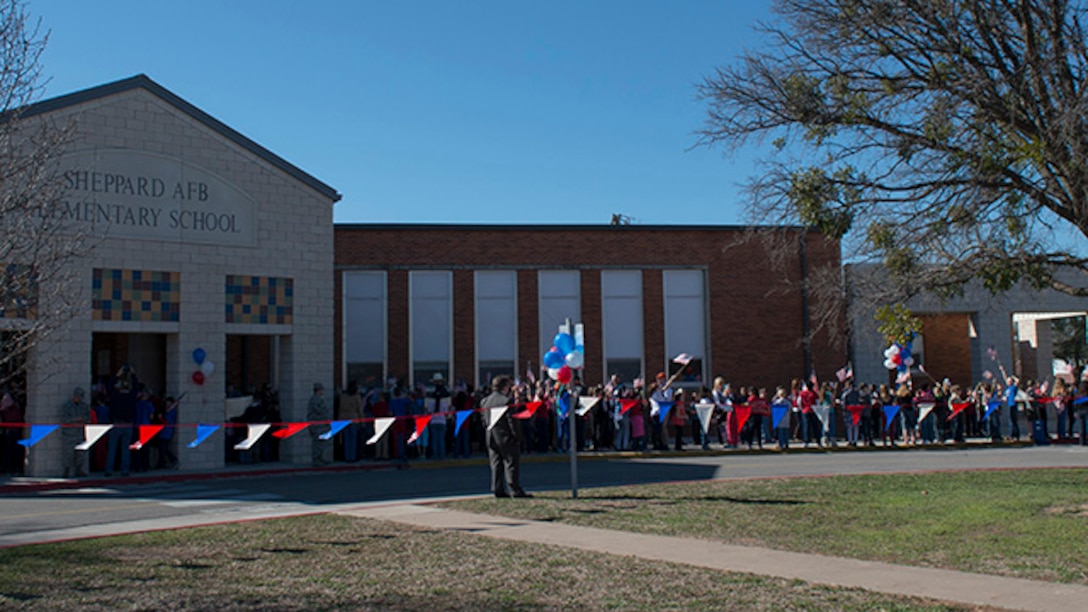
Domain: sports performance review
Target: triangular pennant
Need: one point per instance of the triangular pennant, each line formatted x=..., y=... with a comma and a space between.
x=421, y=426
x=381, y=425
x=823, y=411
x=663, y=409
x=627, y=404
x=704, y=411
x=462, y=416
x=890, y=411
x=958, y=408
x=741, y=413
x=334, y=428
x=255, y=431
x=37, y=432
x=91, y=434
x=855, y=412
x=289, y=430
x=495, y=415
x=924, y=409
x=146, y=433
x=990, y=407
x=530, y=410
x=203, y=432
x=778, y=413
x=586, y=403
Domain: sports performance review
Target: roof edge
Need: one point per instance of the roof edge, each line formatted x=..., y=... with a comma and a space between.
x=142, y=81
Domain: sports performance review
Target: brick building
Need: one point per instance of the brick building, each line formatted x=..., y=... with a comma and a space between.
x=472, y=301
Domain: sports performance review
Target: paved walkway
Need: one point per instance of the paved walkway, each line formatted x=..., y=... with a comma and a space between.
x=944, y=585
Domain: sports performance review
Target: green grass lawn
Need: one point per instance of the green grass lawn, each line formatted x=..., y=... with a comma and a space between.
x=329, y=562
x=1024, y=523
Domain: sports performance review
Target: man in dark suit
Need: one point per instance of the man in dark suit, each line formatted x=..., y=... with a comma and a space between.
x=503, y=447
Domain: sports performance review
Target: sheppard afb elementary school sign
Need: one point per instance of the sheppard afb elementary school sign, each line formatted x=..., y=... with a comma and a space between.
x=134, y=194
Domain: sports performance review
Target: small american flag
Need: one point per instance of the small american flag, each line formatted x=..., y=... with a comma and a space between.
x=682, y=359
x=845, y=372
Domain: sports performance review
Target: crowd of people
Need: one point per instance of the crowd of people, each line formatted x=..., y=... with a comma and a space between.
x=626, y=416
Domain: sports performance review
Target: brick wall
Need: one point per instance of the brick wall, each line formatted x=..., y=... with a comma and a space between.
x=755, y=310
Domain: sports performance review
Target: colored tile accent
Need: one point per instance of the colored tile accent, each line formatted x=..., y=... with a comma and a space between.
x=19, y=292
x=135, y=295
x=266, y=300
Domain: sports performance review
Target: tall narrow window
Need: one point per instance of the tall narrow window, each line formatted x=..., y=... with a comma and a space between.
x=364, y=327
x=621, y=317
x=431, y=296
x=685, y=322
x=496, y=324
x=560, y=299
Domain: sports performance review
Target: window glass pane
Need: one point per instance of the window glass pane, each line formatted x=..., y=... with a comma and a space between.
x=431, y=325
x=685, y=320
x=621, y=314
x=364, y=317
x=559, y=295
x=496, y=315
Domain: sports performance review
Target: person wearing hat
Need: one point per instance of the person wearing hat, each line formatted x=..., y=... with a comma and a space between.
x=317, y=410
x=74, y=415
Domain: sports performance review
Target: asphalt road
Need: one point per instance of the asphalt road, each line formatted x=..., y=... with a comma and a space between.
x=107, y=507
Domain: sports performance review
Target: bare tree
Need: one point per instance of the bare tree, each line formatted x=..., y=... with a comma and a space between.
x=36, y=246
x=947, y=139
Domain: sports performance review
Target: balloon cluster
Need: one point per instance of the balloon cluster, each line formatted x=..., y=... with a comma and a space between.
x=563, y=358
x=200, y=357
x=898, y=357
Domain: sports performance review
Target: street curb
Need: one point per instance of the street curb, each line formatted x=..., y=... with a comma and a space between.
x=16, y=485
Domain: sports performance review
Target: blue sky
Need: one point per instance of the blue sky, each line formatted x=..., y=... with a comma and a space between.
x=444, y=111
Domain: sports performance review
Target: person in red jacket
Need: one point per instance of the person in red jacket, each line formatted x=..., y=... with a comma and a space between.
x=810, y=423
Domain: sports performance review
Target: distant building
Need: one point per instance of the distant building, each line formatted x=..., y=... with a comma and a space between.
x=956, y=334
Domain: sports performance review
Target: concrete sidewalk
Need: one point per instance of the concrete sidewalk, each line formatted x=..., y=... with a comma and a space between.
x=943, y=585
